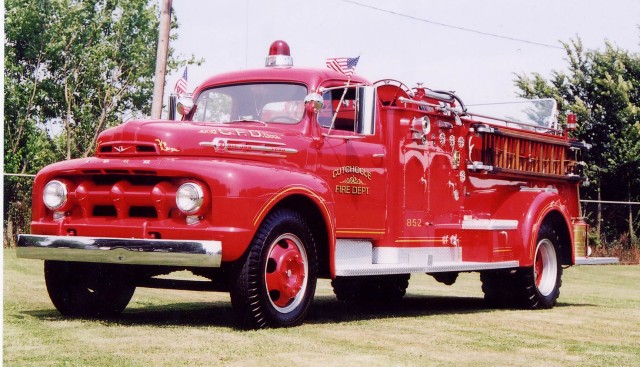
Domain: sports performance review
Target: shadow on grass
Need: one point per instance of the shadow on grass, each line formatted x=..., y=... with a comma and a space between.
x=194, y=314
x=327, y=309
x=324, y=310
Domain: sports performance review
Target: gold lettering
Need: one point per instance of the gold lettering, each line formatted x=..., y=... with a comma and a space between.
x=414, y=222
x=343, y=189
x=360, y=190
x=352, y=170
x=352, y=190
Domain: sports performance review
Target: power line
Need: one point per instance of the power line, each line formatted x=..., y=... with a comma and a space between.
x=454, y=26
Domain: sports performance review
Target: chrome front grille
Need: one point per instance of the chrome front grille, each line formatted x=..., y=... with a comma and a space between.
x=123, y=196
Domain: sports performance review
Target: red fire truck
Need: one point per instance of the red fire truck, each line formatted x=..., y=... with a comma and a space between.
x=279, y=176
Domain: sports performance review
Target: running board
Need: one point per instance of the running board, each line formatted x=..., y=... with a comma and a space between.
x=359, y=257
x=382, y=269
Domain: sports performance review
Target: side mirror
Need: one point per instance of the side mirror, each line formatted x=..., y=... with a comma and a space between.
x=313, y=102
x=185, y=105
x=366, y=98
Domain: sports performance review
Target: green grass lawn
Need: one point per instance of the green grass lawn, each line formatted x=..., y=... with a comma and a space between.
x=596, y=323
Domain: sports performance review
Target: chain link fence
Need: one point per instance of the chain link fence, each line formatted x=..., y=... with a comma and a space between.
x=17, y=206
x=614, y=228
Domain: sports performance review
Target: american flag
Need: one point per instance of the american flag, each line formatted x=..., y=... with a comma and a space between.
x=181, y=84
x=344, y=65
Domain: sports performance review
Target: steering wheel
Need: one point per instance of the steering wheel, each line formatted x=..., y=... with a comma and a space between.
x=283, y=118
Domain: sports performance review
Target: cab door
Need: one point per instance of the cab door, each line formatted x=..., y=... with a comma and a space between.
x=353, y=161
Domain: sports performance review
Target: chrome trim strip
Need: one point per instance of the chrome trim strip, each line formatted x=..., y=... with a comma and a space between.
x=539, y=189
x=479, y=166
x=224, y=144
x=131, y=251
x=490, y=224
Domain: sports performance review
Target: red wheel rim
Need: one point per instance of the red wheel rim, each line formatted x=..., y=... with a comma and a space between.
x=545, y=267
x=539, y=269
x=286, y=273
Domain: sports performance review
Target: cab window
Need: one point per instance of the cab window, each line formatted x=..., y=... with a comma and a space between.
x=342, y=107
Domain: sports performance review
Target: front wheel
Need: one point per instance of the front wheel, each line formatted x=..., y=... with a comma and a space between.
x=88, y=289
x=277, y=282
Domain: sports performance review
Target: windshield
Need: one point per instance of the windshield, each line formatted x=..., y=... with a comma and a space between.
x=265, y=102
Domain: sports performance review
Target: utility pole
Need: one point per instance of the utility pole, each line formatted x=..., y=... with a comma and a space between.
x=161, y=58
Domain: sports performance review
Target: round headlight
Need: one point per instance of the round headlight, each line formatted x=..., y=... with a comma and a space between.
x=54, y=194
x=189, y=197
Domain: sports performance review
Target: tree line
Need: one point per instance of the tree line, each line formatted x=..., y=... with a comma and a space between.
x=602, y=87
x=72, y=69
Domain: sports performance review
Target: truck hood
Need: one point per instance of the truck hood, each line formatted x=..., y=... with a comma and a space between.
x=170, y=138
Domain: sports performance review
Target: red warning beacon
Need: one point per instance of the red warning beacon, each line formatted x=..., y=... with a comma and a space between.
x=279, y=55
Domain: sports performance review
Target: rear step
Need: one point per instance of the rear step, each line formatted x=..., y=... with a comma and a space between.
x=596, y=260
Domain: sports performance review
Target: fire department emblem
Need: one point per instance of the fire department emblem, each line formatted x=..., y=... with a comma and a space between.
x=354, y=184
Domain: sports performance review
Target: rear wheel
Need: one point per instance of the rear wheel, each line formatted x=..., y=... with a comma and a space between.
x=379, y=288
x=277, y=282
x=539, y=286
x=535, y=287
x=88, y=289
x=498, y=288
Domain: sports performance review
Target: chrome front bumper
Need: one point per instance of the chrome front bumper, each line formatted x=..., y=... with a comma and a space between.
x=129, y=251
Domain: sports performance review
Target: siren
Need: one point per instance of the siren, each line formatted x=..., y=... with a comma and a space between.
x=279, y=55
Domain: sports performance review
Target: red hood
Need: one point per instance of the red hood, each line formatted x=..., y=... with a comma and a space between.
x=171, y=138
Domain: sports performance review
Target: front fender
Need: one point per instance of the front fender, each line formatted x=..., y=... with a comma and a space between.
x=319, y=194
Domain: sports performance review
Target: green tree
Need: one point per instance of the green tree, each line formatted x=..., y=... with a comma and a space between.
x=77, y=66
x=603, y=89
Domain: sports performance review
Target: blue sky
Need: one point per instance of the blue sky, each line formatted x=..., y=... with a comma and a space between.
x=468, y=52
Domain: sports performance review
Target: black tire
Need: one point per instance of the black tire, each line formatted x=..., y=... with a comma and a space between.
x=379, y=288
x=536, y=287
x=276, y=284
x=87, y=289
x=498, y=288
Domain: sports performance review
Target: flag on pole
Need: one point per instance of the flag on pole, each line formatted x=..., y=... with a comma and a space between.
x=181, y=84
x=344, y=65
